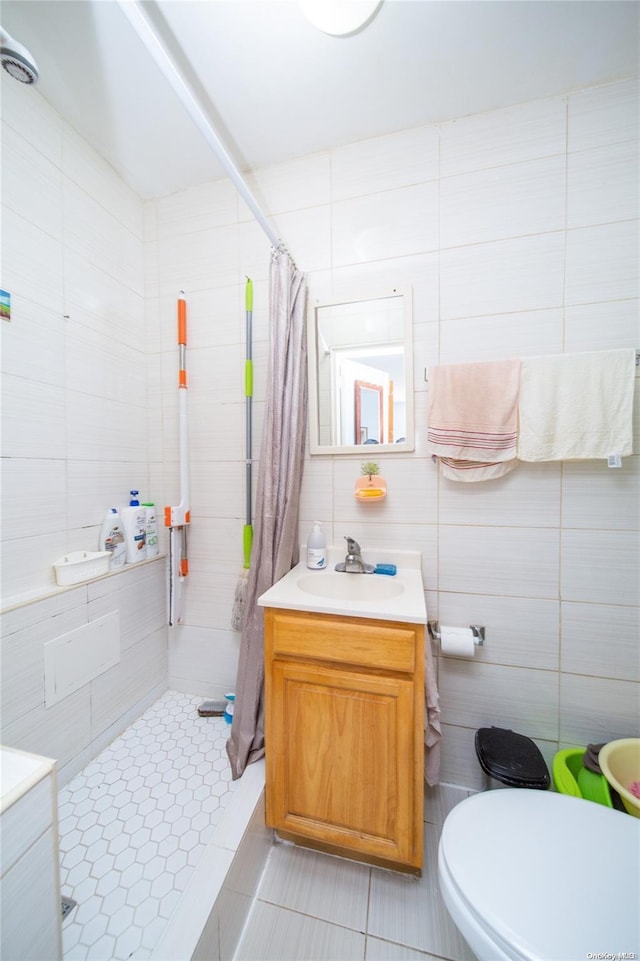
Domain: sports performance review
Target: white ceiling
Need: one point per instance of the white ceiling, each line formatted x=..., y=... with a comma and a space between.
x=276, y=88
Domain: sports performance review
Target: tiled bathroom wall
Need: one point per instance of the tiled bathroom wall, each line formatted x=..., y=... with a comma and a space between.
x=75, y=434
x=518, y=233
x=75, y=728
x=74, y=354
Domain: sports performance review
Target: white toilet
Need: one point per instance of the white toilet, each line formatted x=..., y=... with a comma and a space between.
x=536, y=876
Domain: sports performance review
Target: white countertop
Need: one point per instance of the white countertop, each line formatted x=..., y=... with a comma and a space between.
x=303, y=589
x=20, y=772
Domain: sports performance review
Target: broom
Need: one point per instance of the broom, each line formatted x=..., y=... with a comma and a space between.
x=247, y=533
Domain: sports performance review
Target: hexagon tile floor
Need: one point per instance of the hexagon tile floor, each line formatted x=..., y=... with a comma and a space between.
x=133, y=825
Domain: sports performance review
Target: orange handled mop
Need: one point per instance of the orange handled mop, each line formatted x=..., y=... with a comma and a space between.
x=178, y=518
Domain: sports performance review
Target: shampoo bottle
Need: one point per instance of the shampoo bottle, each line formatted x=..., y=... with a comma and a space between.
x=112, y=539
x=316, y=549
x=152, y=547
x=134, y=518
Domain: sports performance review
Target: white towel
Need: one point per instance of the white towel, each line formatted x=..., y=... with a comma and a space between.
x=576, y=406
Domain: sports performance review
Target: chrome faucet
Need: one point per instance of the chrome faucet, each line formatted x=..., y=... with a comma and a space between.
x=353, y=563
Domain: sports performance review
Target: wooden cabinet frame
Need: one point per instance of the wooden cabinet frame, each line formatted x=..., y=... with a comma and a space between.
x=344, y=735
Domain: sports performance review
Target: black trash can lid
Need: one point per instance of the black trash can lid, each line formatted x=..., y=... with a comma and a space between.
x=511, y=758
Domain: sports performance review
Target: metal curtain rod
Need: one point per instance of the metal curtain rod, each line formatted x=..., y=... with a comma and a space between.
x=139, y=21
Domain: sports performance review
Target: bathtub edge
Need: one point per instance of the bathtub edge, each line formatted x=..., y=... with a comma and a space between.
x=219, y=882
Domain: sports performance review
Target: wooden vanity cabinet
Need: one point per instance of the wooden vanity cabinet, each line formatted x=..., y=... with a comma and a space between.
x=344, y=735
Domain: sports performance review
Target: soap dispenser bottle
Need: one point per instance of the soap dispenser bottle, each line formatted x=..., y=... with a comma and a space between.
x=316, y=549
x=134, y=518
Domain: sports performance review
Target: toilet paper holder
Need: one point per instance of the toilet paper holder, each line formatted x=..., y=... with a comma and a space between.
x=476, y=629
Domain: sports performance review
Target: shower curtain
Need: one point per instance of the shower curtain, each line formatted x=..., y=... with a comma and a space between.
x=275, y=536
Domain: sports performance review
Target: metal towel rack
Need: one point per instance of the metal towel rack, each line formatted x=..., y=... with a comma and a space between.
x=426, y=370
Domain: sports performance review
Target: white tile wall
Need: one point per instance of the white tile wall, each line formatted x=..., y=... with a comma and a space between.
x=526, y=497
x=75, y=727
x=195, y=260
x=308, y=232
x=95, y=177
x=385, y=163
x=603, y=185
x=602, y=326
x=35, y=346
x=500, y=137
x=601, y=641
x=23, y=638
x=517, y=231
x=596, y=709
x=598, y=497
x=600, y=566
x=203, y=660
x=30, y=899
x=501, y=202
x=297, y=185
x=602, y=263
x=31, y=262
x=392, y=223
x=603, y=115
x=98, y=303
x=504, y=276
x=33, y=418
x=32, y=116
x=517, y=561
x=474, y=694
x=524, y=334
x=31, y=184
x=205, y=206
x=91, y=230
x=523, y=631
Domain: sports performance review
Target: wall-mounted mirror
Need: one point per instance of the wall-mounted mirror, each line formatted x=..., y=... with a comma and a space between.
x=361, y=374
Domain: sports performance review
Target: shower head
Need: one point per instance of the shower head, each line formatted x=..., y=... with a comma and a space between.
x=17, y=60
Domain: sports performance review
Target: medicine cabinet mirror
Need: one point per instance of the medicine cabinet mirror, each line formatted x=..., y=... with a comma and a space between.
x=361, y=375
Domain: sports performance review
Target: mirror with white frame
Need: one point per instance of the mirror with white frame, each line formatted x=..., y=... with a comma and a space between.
x=361, y=374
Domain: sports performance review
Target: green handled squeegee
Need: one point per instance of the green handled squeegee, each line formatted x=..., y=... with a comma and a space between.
x=247, y=534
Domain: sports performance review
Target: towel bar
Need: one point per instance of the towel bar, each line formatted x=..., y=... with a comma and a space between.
x=426, y=370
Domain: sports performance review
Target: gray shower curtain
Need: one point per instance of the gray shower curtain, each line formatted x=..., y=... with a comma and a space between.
x=275, y=535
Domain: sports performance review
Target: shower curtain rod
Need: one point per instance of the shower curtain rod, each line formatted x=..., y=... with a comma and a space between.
x=146, y=32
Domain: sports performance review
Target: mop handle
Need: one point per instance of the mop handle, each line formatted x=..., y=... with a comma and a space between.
x=179, y=515
x=247, y=535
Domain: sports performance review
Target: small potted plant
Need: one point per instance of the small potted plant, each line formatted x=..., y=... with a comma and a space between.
x=370, y=485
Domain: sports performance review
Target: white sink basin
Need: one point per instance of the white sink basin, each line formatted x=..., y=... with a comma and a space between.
x=398, y=597
x=355, y=587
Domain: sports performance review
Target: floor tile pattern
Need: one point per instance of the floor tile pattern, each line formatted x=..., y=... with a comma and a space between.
x=133, y=825
x=314, y=907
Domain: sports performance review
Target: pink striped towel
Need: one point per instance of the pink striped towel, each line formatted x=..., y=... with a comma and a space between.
x=473, y=418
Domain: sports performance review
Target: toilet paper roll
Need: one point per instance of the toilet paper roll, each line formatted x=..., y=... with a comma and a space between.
x=457, y=641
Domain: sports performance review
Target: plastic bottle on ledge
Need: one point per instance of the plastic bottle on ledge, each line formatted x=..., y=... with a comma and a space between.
x=134, y=518
x=152, y=547
x=316, y=549
x=112, y=539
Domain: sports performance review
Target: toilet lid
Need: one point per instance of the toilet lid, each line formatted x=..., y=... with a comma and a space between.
x=547, y=876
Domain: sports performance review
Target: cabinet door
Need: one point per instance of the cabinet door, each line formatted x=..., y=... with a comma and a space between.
x=341, y=759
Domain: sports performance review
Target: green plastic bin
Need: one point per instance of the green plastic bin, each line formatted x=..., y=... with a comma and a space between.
x=570, y=776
